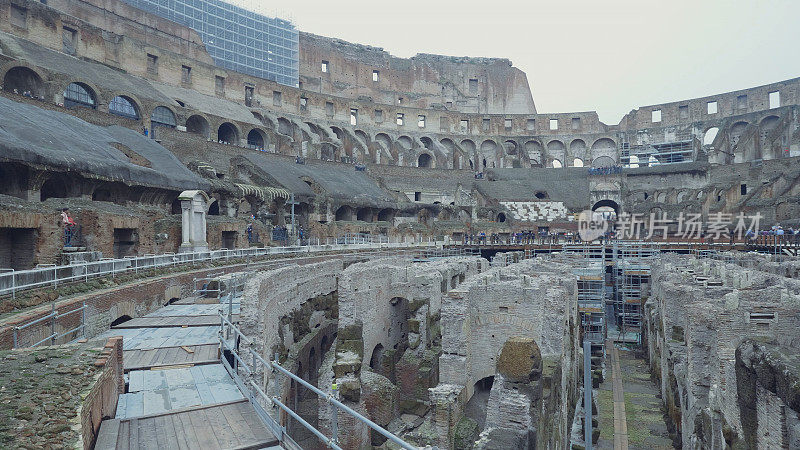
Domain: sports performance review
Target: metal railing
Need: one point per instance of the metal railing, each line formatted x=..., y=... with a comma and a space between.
x=256, y=395
x=53, y=317
x=13, y=281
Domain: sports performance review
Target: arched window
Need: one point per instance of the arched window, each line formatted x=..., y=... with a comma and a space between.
x=424, y=160
x=162, y=117
x=123, y=106
x=78, y=94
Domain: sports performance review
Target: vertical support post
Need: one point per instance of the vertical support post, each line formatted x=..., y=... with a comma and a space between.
x=53, y=323
x=587, y=393
x=335, y=414
x=83, y=319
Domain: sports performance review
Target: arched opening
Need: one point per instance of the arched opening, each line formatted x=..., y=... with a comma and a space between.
x=364, y=215
x=344, y=213
x=255, y=139
x=577, y=162
x=124, y=107
x=120, y=320
x=424, y=160
x=556, y=164
x=385, y=215
x=213, y=209
x=510, y=147
x=312, y=365
x=475, y=408
x=606, y=206
x=603, y=161
x=227, y=133
x=405, y=142
x=23, y=81
x=54, y=187
x=710, y=135
x=162, y=117
x=501, y=217
x=175, y=207
x=198, y=125
x=541, y=195
x=327, y=152
x=284, y=126
x=376, y=360
x=79, y=95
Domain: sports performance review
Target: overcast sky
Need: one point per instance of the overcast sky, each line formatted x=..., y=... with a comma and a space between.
x=610, y=56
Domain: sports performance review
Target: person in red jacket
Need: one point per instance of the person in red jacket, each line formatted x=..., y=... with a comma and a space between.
x=69, y=226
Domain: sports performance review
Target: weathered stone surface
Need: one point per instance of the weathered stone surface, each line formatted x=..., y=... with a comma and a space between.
x=520, y=359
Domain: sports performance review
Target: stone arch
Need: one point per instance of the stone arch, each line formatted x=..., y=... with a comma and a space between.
x=603, y=161
x=488, y=153
x=709, y=135
x=681, y=196
x=364, y=214
x=344, y=213
x=79, y=94
x=198, y=124
x=510, y=147
x=604, y=144
x=661, y=197
x=405, y=142
x=501, y=217
x=284, y=126
x=386, y=215
x=124, y=106
x=735, y=132
x=163, y=116
x=257, y=139
x=765, y=126
x=57, y=186
x=228, y=133
x=606, y=203
x=577, y=147
x=376, y=358
x=327, y=152
x=24, y=79
x=556, y=153
x=425, y=160
x=577, y=162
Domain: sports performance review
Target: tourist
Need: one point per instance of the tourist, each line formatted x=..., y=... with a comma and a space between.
x=250, y=233
x=69, y=225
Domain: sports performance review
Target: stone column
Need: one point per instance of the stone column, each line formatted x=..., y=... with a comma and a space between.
x=194, y=207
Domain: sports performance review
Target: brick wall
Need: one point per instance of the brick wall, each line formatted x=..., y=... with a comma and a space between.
x=101, y=402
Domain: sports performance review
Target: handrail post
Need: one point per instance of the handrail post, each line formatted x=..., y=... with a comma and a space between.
x=53, y=324
x=334, y=415
x=83, y=319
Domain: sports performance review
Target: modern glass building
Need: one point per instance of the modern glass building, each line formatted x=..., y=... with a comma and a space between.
x=236, y=38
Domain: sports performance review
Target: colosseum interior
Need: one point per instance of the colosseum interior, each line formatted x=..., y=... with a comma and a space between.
x=381, y=253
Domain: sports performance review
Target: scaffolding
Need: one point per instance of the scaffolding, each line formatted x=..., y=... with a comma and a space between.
x=631, y=278
x=591, y=281
x=657, y=154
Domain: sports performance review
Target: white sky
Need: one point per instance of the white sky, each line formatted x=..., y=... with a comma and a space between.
x=610, y=56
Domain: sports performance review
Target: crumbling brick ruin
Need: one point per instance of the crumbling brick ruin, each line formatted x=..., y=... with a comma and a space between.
x=400, y=227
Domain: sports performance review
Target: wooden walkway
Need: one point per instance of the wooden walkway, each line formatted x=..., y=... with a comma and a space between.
x=232, y=425
x=187, y=355
x=172, y=321
x=620, y=418
x=179, y=395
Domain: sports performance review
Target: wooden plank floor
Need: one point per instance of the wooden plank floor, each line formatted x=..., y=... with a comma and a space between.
x=620, y=417
x=170, y=356
x=172, y=321
x=222, y=426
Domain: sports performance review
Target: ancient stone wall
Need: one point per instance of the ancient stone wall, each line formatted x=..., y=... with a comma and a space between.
x=699, y=313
